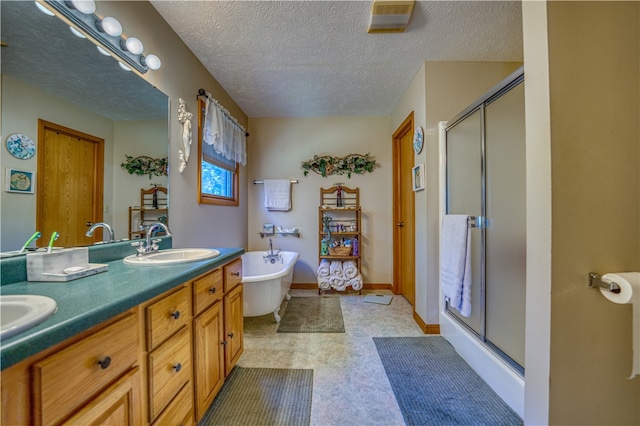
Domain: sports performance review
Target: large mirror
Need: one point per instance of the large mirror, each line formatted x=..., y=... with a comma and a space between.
x=50, y=75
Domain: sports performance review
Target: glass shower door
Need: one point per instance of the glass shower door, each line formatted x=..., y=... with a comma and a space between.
x=464, y=196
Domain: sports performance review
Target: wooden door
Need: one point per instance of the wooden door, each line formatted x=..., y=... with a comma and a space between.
x=403, y=211
x=69, y=184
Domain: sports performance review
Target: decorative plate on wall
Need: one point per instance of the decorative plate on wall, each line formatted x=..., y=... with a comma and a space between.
x=418, y=140
x=21, y=146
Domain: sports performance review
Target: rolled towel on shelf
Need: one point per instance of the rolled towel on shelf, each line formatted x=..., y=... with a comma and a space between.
x=338, y=283
x=323, y=283
x=350, y=269
x=355, y=282
x=335, y=269
x=323, y=268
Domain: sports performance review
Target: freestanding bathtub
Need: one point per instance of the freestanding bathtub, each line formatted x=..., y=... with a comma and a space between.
x=266, y=284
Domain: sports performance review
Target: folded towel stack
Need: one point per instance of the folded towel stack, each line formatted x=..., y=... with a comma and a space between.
x=338, y=275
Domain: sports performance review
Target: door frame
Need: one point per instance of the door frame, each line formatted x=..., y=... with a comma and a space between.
x=98, y=172
x=403, y=129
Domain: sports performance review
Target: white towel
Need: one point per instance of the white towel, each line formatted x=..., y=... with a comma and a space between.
x=455, y=262
x=355, y=282
x=323, y=268
x=337, y=283
x=349, y=269
x=323, y=283
x=277, y=194
x=335, y=269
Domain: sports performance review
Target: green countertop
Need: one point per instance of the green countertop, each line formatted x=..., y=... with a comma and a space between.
x=86, y=302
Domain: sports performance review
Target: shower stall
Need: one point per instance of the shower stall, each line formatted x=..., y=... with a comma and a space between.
x=483, y=176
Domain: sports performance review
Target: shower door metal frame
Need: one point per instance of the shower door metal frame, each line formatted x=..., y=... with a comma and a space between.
x=514, y=79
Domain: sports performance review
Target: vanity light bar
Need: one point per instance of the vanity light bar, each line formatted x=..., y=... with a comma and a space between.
x=92, y=24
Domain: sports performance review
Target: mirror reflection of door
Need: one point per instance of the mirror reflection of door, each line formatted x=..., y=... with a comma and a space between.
x=69, y=184
x=404, y=211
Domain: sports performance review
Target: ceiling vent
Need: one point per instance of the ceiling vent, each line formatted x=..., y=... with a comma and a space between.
x=390, y=16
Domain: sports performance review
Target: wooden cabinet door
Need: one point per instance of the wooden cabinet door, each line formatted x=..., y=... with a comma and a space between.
x=117, y=405
x=208, y=334
x=233, y=322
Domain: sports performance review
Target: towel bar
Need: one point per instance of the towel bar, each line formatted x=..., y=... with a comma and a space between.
x=595, y=281
x=260, y=181
x=477, y=222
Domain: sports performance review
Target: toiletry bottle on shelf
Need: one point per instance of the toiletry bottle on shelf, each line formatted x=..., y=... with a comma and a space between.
x=355, y=250
x=324, y=250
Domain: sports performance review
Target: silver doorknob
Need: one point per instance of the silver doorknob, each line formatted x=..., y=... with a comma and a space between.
x=400, y=224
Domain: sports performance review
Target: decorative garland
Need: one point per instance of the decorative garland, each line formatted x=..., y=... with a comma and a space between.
x=326, y=165
x=144, y=165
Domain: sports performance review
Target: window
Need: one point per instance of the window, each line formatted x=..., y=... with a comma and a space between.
x=217, y=176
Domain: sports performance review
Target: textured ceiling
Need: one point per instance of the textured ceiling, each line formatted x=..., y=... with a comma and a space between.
x=43, y=53
x=315, y=58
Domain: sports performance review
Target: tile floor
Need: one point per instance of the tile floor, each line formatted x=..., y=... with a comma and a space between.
x=350, y=386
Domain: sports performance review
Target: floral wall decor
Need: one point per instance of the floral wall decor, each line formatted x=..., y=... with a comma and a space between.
x=326, y=165
x=144, y=165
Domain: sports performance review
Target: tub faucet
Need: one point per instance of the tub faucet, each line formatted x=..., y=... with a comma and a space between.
x=104, y=225
x=272, y=256
x=152, y=245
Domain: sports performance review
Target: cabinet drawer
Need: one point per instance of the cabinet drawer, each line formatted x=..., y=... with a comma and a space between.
x=167, y=316
x=207, y=290
x=169, y=370
x=66, y=380
x=180, y=410
x=119, y=404
x=232, y=274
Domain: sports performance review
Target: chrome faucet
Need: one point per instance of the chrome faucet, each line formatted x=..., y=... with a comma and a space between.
x=272, y=256
x=152, y=245
x=97, y=225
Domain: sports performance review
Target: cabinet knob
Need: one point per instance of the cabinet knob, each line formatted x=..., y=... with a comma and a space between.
x=230, y=335
x=224, y=343
x=400, y=224
x=175, y=314
x=235, y=274
x=105, y=363
x=177, y=367
x=212, y=290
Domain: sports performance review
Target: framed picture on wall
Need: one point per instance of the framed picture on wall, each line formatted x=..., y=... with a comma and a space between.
x=21, y=181
x=418, y=177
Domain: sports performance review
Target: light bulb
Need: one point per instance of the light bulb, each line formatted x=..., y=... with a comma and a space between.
x=124, y=67
x=110, y=26
x=84, y=6
x=104, y=52
x=44, y=9
x=133, y=45
x=152, y=61
x=77, y=33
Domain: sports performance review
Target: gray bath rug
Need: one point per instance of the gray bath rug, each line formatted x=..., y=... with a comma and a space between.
x=381, y=299
x=262, y=396
x=312, y=315
x=435, y=386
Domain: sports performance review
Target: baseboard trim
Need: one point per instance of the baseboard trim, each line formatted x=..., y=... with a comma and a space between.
x=426, y=328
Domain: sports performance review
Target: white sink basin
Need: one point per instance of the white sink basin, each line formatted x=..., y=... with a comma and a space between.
x=172, y=256
x=21, y=312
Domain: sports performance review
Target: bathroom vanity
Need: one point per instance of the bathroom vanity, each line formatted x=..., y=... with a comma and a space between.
x=135, y=345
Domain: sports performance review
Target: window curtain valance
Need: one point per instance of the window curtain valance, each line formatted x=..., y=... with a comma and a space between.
x=223, y=132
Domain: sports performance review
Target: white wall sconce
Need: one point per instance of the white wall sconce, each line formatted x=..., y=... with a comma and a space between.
x=105, y=32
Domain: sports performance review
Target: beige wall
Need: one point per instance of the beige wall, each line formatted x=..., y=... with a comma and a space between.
x=279, y=146
x=591, y=151
x=181, y=76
